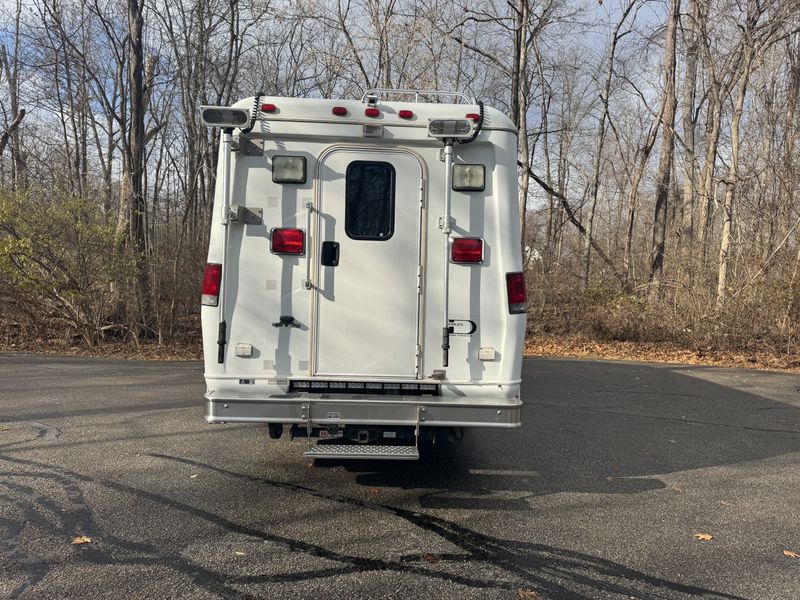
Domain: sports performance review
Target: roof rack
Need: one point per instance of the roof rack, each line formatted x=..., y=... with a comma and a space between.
x=416, y=93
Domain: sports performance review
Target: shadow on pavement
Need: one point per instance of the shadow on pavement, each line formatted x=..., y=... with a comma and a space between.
x=612, y=430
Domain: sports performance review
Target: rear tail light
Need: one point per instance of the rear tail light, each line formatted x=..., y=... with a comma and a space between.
x=474, y=117
x=466, y=250
x=372, y=112
x=515, y=284
x=212, y=276
x=268, y=108
x=339, y=111
x=288, y=241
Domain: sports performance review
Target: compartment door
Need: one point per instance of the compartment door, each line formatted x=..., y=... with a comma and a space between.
x=368, y=248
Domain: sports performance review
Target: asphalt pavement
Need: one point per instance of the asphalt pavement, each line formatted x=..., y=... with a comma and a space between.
x=599, y=495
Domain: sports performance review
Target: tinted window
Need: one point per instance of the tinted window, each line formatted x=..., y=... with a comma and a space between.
x=369, y=200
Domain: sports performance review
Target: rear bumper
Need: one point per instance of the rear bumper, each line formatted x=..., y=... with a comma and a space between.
x=316, y=409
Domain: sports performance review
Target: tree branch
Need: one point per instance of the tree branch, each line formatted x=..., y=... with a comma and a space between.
x=10, y=131
x=572, y=218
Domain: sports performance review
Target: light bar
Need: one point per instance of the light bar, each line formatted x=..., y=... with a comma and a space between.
x=223, y=116
x=450, y=128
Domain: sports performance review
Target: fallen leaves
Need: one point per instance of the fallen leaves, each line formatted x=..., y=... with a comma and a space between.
x=791, y=554
x=239, y=553
x=193, y=476
x=374, y=490
x=704, y=537
x=431, y=558
x=724, y=503
x=81, y=539
x=581, y=346
x=526, y=594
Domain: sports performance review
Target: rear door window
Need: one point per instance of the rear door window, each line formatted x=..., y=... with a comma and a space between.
x=369, y=200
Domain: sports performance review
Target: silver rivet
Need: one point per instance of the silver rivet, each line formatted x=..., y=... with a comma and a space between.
x=499, y=412
x=422, y=408
x=224, y=406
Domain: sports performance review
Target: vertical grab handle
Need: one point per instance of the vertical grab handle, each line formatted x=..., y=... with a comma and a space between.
x=309, y=210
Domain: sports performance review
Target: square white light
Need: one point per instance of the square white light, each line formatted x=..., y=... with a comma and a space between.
x=469, y=178
x=289, y=169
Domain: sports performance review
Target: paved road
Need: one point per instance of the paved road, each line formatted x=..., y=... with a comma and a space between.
x=598, y=496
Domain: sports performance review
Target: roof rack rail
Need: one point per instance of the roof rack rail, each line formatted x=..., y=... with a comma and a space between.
x=417, y=93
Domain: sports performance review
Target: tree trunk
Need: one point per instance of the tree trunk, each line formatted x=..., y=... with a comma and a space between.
x=136, y=203
x=598, y=153
x=667, y=146
x=689, y=123
x=730, y=184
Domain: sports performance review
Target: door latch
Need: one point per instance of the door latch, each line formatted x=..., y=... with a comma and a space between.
x=330, y=254
x=287, y=321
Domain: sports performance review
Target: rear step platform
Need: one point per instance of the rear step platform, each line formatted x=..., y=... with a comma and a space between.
x=362, y=452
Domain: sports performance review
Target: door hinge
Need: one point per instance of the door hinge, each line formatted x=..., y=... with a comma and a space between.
x=419, y=277
x=422, y=193
x=418, y=359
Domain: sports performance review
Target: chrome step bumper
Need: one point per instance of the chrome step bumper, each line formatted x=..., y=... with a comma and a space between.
x=321, y=409
x=362, y=452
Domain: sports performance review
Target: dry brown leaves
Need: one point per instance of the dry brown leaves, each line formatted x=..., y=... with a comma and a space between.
x=704, y=537
x=374, y=491
x=526, y=594
x=581, y=347
x=128, y=351
x=791, y=554
x=431, y=558
x=81, y=539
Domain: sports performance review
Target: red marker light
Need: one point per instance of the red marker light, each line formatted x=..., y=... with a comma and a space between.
x=212, y=275
x=372, y=112
x=474, y=117
x=405, y=114
x=515, y=285
x=287, y=241
x=268, y=108
x=339, y=111
x=466, y=250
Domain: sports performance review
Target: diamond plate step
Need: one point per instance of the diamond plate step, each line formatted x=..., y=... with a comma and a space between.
x=362, y=451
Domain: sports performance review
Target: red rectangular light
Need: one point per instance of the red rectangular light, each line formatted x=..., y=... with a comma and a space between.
x=515, y=285
x=212, y=276
x=466, y=250
x=268, y=108
x=287, y=241
x=405, y=114
x=339, y=111
x=372, y=112
x=474, y=117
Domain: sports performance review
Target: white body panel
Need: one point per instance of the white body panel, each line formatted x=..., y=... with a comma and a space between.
x=378, y=314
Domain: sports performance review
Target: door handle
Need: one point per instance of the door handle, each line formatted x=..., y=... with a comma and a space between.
x=330, y=254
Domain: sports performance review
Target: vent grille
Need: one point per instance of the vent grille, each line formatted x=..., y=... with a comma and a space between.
x=379, y=388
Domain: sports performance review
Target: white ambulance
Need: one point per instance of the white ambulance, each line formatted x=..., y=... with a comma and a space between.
x=364, y=282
